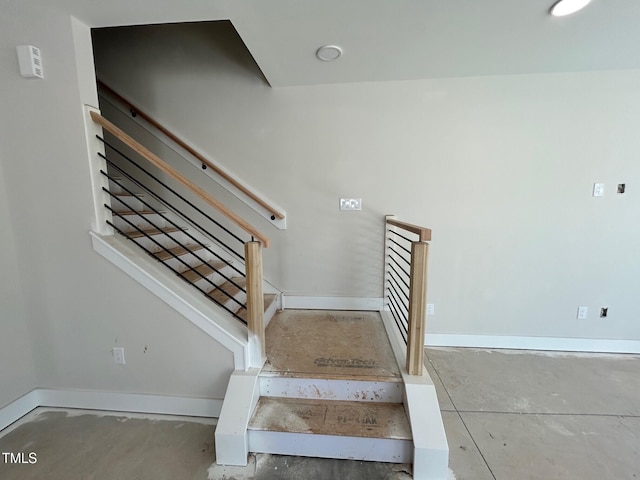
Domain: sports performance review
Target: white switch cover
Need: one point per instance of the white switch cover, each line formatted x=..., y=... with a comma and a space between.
x=598, y=189
x=350, y=204
x=582, y=313
x=431, y=309
x=118, y=355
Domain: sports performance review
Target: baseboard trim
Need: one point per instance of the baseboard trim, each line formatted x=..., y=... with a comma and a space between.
x=331, y=303
x=592, y=345
x=108, y=401
x=18, y=408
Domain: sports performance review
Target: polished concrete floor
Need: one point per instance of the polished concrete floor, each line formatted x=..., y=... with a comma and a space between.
x=508, y=415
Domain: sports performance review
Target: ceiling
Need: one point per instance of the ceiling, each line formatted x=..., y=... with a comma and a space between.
x=395, y=39
x=416, y=39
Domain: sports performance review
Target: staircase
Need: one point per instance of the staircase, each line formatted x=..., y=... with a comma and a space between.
x=330, y=388
x=312, y=383
x=184, y=251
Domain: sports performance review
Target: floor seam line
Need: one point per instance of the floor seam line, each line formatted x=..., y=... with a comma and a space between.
x=461, y=419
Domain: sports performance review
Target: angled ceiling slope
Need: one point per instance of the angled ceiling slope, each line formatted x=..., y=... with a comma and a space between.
x=409, y=39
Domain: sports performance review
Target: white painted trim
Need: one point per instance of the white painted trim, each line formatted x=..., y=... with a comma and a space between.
x=131, y=402
x=224, y=329
x=331, y=446
x=595, y=345
x=18, y=408
x=240, y=400
x=109, y=401
x=331, y=303
x=431, y=450
x=98, y=180
x=278, y=223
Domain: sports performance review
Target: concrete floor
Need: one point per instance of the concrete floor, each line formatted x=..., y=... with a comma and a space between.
x=508, y=416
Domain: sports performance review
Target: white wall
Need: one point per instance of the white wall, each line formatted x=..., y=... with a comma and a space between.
x=17, y=370
x=500, y=167
x=78, y=306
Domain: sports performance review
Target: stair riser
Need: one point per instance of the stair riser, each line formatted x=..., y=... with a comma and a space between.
x=127, y=203
x=145, y=222
x=327, y=389
x=331, y=446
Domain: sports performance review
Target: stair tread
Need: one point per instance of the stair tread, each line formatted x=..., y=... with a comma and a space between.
x=127, y=194
x=268, y=301
x=203, y=269
x=331, y=417
x=337, y=346
x=152, y=232
x=163, y=255
x=228, y=287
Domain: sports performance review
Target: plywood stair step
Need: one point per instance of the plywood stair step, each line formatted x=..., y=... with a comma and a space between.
x=331, y=429
x=153, y=232
x=269, y=303
x=204, y=269
x=169, y=253
x=223, y=292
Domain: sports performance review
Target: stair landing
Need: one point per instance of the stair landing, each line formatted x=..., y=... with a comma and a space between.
x=330, y=344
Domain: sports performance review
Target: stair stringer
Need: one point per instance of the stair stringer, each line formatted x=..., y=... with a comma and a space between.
x=180, y=296
x=431, y=450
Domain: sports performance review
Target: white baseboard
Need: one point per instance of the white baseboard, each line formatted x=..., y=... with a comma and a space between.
x=18, y=408
x=117, y=402
x=595, y=345
x=331, y=303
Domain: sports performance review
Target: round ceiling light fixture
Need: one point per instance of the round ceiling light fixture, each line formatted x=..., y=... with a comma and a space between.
x=567, y=7
x=328, y=53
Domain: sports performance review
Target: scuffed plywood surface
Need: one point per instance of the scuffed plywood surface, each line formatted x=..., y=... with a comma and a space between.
x=329, y=344
x=355, y=419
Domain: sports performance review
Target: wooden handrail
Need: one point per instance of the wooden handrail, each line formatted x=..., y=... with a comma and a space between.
x=172, y=172
x=423, y=232
x=273, y=211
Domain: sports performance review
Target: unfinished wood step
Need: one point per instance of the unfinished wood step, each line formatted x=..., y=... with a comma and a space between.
x=151, y=233
x=232, y=290
x=331, y=429
x=163, y=255
x=338, y=345
x=202, y=270
x=269, y=301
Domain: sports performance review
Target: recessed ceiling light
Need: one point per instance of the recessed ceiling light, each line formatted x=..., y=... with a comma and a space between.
x=567, y=7
x=329, y=52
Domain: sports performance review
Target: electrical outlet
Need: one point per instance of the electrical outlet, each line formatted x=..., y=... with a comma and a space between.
x=118, y=355
x=431, y=309
x=350, y=204
x=582, y=313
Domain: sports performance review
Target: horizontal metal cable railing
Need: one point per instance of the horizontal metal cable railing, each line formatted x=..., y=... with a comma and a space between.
x=163, y=234
x=406, y=287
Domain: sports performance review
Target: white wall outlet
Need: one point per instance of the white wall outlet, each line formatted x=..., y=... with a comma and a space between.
x=598, y=189
x=582, y=313
x=118, y=355
x=431, y=309
x=350, y=204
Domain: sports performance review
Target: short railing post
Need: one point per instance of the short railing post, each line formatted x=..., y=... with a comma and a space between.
x=255, y=303
x=417, y=307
